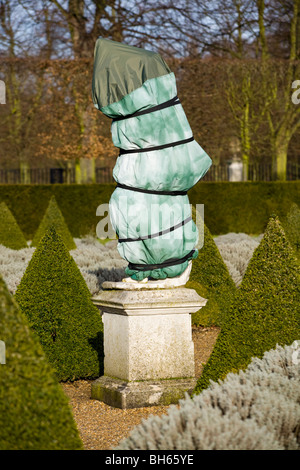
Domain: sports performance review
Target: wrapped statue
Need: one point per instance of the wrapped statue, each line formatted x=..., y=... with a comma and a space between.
x=159, y=160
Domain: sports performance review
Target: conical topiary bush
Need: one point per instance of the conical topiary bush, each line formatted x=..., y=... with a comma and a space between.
x=264, y=312
x=211, y=279
x=291, y=225
x=53, y=217
x=34, y=411
x=11, y=235
x=56, y=300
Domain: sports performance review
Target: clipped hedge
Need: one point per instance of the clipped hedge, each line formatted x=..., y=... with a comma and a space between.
x=243, y=207
x=54, y=218
x=229, y=207
x=211, y=280
x=255, y=409
x=78, y=204
x=34, y=411
x=291, y=225
x=11, y=235
x=57, y=303
x=265, y=310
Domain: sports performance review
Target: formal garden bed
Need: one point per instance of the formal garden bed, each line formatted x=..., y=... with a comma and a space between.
x=54, y=341
x=99, y=262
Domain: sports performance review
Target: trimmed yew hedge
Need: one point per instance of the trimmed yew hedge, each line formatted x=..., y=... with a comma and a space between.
x=11, y=235
x=211, y=279
x=244, y=207
x=55, y=299
x=78, y=204
x=35, y=413
x=53, y=217
x=264, y=311
x=228, y=207
x=291, y=225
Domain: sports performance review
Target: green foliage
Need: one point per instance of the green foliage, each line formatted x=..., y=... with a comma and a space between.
x=54, y=218
x=34, y=411
x=243, y=207
x=77, y=202
x=11, y=235
x=229, y=207
x=211, y=280
x=265, y=311
x=291, y=225
x=56, y=300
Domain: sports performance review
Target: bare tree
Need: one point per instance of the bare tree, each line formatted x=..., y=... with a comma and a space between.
x=283, y=115
x=243, y=29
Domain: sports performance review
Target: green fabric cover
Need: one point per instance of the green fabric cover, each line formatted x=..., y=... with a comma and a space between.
x=120, y=69
x=135, y=214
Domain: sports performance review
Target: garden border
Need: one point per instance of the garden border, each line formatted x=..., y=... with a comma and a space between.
x=228, y=206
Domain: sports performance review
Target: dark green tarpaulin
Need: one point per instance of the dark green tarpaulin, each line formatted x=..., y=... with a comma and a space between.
x=120, y=69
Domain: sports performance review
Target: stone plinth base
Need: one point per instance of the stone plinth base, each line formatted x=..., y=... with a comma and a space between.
x=125, y=395
x=148, y=347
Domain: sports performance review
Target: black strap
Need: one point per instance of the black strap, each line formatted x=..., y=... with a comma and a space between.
x=166, y=104
x=150, y=191
x=165, y=264
x=158, y=234
x=159, y=147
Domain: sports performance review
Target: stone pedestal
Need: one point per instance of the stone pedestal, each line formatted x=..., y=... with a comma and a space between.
x=148, y=347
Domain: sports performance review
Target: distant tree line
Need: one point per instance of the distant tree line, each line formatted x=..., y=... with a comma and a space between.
x=236, y=63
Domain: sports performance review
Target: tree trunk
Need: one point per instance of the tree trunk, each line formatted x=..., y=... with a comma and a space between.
x=245, y=167
x=78, y=178
x=245, y=133
x=281, y=145
x=24, y=172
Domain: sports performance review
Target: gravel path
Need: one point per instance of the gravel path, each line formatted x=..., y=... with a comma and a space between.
x=102, y=427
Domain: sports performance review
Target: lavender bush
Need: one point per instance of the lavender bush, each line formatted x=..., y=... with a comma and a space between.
x=236, y=250
x=102, y=262
x=255, y=409
x=97, y=263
